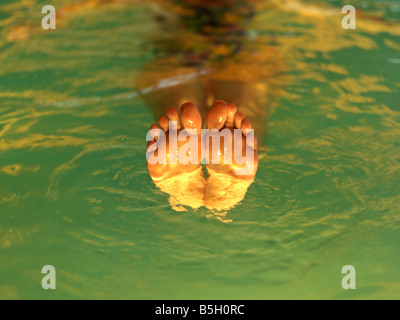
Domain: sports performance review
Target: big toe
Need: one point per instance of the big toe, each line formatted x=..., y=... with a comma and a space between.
x=217, y=115
x=191, y=118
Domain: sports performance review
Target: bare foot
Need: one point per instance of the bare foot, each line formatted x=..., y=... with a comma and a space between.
x=225, y=187
x=238, y=158
x=184, y=182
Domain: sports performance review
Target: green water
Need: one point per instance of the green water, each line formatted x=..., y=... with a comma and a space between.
x=75, y=192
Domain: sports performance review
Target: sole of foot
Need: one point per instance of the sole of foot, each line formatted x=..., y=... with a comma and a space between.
x=236, y=158
x=170, y=152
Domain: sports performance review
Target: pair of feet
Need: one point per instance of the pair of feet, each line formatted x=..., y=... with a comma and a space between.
x=187, y=180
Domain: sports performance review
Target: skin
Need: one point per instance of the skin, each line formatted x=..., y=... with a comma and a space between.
x=190, y=120
x=192, y=182
x=224, y=116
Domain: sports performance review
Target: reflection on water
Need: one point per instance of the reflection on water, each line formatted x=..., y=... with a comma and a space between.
x=75, y=105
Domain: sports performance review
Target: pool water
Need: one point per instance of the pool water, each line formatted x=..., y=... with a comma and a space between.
x=75, y=192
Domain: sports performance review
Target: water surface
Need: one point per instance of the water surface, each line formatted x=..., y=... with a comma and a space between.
x=75, y=192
